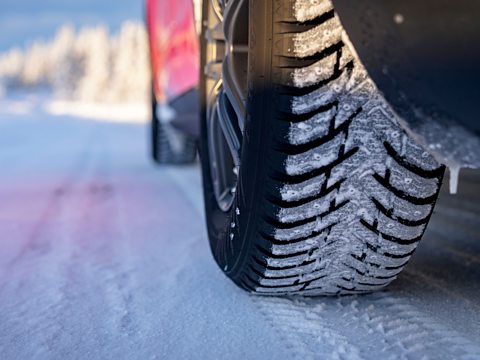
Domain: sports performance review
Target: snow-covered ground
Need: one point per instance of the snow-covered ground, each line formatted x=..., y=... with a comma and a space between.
x=105, y=256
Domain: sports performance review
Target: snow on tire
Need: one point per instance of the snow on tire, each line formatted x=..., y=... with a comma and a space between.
x=333, y=195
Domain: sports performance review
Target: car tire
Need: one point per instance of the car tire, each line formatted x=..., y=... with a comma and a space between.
x=331, y=195
x=169, y=145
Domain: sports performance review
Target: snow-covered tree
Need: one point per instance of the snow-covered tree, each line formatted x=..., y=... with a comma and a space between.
x=89, y=65
x=130, y=56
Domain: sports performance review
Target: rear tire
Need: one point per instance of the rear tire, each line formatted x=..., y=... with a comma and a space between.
x=170, y=145
x=332, y=194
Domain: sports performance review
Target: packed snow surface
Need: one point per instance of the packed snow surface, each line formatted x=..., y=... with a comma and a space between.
x=106, y=256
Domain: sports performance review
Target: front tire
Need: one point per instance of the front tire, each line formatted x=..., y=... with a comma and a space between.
x=331, y=196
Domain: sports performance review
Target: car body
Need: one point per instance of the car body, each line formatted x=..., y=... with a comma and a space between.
x=174, y=52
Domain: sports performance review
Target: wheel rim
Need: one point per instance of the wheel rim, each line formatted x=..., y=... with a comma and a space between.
x=226, y=64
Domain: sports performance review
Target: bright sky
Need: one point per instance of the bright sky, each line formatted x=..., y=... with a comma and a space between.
x=22, y=21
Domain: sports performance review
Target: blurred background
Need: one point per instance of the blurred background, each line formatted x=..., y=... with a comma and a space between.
x=75, y=56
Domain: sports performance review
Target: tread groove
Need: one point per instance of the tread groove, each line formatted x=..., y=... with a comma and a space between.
x=271, y=255
x=373, y=228
x=297, y=179
x=387, y=254
x=426, y=174
x=291, y=149
x=266, y=286
x=319, y=20
x=312, y=235
x=263, y=276
x=389, y=214
x=297, y=118
x=281, y=268
x=290, y=61
x=285, y=204
x=385, y=182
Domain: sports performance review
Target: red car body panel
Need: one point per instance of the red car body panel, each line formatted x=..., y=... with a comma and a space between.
x=174, y=48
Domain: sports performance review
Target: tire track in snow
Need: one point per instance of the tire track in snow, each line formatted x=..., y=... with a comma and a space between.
x=82, y=280
x=304, y=330
x=34, y=291
x=413, y=332
x=111, y=262
x=120, y=274
x=356, y=327
x=37, y=242
x=102, y=261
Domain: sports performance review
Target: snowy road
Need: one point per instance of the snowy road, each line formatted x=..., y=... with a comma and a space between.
x=104, y=256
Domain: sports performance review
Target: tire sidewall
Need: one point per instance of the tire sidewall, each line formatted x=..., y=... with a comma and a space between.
x=232, y=234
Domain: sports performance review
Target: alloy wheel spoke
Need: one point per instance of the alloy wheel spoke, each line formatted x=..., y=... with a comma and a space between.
x=225, y=68
x=232, y=136
x=234, y=92
x=235, y=62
